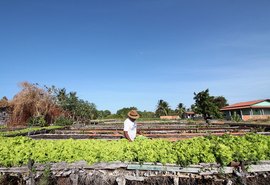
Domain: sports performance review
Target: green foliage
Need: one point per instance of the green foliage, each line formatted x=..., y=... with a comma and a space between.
x=37, y=121
x=190, y=121
x=80, y=110
x=194, y=151
x=85, y=110
x=122, y=113
x=208, y=105
x=220, y=101
x=193, y=107
x=114, y=116
x=251, y=147
x=141, y=137
x=27, y=130
x=180, y=110
x=236, y=117
x=163, y=108
x=3, y=126
x=63, y=121
x=102, y=114
x=147, y=114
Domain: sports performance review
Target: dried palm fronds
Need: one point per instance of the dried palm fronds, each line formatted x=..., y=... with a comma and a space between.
x=32, y=101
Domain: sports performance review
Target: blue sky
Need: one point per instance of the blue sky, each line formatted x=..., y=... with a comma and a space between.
x=125, y=53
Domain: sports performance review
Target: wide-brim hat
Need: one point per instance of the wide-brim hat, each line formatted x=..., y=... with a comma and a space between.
x=133, y=114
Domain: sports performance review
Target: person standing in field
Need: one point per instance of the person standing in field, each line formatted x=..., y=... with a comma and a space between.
x=130, y=125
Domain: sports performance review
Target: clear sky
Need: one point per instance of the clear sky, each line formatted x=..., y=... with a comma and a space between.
x=123, y=53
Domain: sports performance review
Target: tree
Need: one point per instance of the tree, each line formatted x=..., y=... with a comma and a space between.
x=220, y=101
x=124, y=111
x=163, y=108
x=85, y=110
x=193, y=107
x=78, y=109
x=103, y=114
x=181, y=109
x=205, y=105
x=146, y=114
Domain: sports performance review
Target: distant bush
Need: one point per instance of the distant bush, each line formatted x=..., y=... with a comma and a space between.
x=63, y=121
x=236, y=117
x=190, y=121
x=37, y=121
x=114, y=116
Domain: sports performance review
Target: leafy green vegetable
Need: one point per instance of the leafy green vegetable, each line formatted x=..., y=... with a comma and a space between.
x=17, y=151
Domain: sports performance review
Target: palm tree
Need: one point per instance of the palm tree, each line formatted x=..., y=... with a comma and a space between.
x=162, y=108
x=181, y=109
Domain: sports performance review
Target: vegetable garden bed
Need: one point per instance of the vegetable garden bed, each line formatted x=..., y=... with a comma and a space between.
x=172, y=132
x=224, y=149
x=119, y=173
x=200, y=160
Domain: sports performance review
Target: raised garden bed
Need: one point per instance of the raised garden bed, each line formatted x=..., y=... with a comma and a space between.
x=171, y=132
x=118, y=173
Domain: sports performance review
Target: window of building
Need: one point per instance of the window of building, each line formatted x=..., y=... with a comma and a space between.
x=256, y=112
x=266, y=111
x=246, y=111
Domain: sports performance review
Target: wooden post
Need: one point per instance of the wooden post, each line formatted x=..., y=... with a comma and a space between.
x=176, y=181
x=31, y=180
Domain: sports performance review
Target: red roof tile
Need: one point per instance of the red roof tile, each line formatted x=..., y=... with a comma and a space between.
x=242, y=105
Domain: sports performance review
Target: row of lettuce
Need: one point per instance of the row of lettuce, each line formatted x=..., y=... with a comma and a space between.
x=17, y=151
x=25, y=131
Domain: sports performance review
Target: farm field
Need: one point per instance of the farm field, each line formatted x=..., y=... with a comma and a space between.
x=159, y=143
x=171, y=148
x=169, y=131
x=222, y=149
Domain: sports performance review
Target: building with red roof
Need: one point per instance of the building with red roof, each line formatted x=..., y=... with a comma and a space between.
x=251, y=110
x=189, y=114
